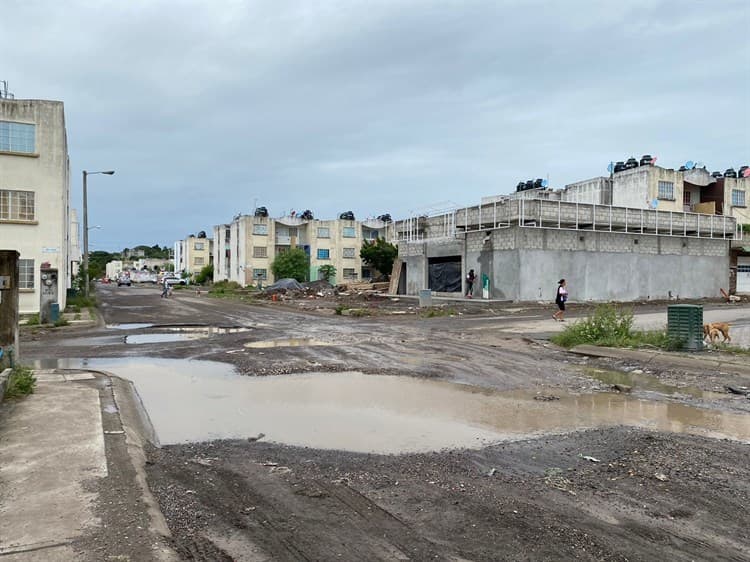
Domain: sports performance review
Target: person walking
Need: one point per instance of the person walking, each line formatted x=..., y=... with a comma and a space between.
x=165, y=288
x=560, y=298
x=470, y=278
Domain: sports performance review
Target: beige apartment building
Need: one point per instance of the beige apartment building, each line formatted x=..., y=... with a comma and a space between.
x=193, y=254
x=246, y=247
x=35, y=216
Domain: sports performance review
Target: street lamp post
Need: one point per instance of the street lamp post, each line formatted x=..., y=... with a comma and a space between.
x=86, y=230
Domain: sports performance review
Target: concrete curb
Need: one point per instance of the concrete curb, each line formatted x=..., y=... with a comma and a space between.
x=4, y=383
x=666, y=359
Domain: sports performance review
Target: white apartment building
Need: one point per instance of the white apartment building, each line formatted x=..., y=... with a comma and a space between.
x=35, y=216
x=246, y=247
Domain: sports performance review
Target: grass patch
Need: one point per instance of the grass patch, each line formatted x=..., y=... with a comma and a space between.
x=611, y=326
x=732, y=349
x=32, y=320
x=78, y=302
x=20, y=383
x=61, y=322
x=437, y=312
x=339, y=310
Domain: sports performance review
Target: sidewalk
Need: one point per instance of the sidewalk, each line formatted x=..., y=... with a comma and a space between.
x=58, y=500
x=700, y=360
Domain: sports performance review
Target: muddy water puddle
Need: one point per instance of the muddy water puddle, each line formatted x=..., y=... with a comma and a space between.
x=289, y=342
x=648, y=383
x=198, y=401
x=167, y=334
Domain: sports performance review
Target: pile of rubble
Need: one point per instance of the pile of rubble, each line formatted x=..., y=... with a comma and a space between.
x=286, y=289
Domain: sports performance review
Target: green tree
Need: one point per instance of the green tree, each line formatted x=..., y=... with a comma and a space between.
x=379, y=254
x=327, y=271
x=205, y=274
x=293, y=264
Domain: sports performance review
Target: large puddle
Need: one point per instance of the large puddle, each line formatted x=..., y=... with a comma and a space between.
x=197, y=401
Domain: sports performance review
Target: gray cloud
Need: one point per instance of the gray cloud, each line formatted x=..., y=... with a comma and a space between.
x=204, y=108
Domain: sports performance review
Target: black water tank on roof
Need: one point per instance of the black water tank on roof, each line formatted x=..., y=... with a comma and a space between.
x=646, y=160
x=730, y=173
x=538, y=183
x=521, y=186
x=631, y=163
x=347, y=216
x=261, y=212
x=530, y=184
x=741, y=171
x=682, y=169
x=717, y=175
x=620, y=166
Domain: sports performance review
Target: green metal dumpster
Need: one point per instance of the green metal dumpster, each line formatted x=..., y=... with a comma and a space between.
x=685, y=323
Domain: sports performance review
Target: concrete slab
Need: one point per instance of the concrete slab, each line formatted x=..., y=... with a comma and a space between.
x=52, y=445
x=48, y=378
x=78, y=376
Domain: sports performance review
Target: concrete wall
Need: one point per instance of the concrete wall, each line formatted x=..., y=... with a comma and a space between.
x=47, y=174
x=742, y=214
x=526, y=263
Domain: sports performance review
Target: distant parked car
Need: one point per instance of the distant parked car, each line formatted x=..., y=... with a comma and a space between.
x=174, y=280
x=123, y=280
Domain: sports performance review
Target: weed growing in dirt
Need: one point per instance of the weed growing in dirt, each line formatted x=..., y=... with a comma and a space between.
x=611, y=326
x=20, y=383
x=732, y=349
x=339, y=310
x=61, y=322
x=32, y=320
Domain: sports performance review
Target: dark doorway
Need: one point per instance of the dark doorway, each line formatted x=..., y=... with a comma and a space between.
x=444, y=274
x=402, y=280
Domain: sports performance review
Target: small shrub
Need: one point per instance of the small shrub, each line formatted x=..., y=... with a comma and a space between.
x=33, y=320
x=80, y=301
x=61, y=322
x=339, y=310
x=20, y=383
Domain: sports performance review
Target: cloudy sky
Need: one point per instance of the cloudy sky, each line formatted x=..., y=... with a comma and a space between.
x=206, y=109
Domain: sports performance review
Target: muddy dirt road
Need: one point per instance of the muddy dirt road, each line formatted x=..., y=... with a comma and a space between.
x=545, y=461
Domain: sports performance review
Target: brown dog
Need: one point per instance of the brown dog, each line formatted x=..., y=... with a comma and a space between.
x=719, y=328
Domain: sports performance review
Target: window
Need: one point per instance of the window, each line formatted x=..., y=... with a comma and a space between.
x=323, y=254
x=349, y=232
x=370, y=234
x=666, y=190
x=738, y=198
x=17, y=137
x=199, y=246
x=349, y=273
x=260, y=252
x=349, y=252
x=198, y=261
x=261, y=274
x=16, y=205
x=26, y=274
x=686, y=198
x=260, y=229
x=324, y=232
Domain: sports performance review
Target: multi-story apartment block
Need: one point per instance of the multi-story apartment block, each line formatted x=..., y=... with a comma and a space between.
x=246, y=248
x=35, y=215
x=193, y=254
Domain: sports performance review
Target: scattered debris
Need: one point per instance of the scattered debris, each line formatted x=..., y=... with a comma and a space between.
x=256, y=438
x=661, y=476
x=114, y=432
x=546, y=397
x=492, y=472
x=588, y=458
x=742, y=390
x=622, y=387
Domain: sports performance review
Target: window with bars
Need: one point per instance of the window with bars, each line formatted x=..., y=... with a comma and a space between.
x=324, y=254
x=350, y=252
x=260, y=252
x=686, y=197
x=199, y=246
x=17, y=137
x=260, y=274
x=16, y=205
x=738, y=198
x=260, y=229
x=349, y=273
x=324, y=232
x=349, y=232
x=25, y=274
x=666, y=190
x=199, y=261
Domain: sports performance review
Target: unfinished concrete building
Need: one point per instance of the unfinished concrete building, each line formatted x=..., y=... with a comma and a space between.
x=520, y=246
